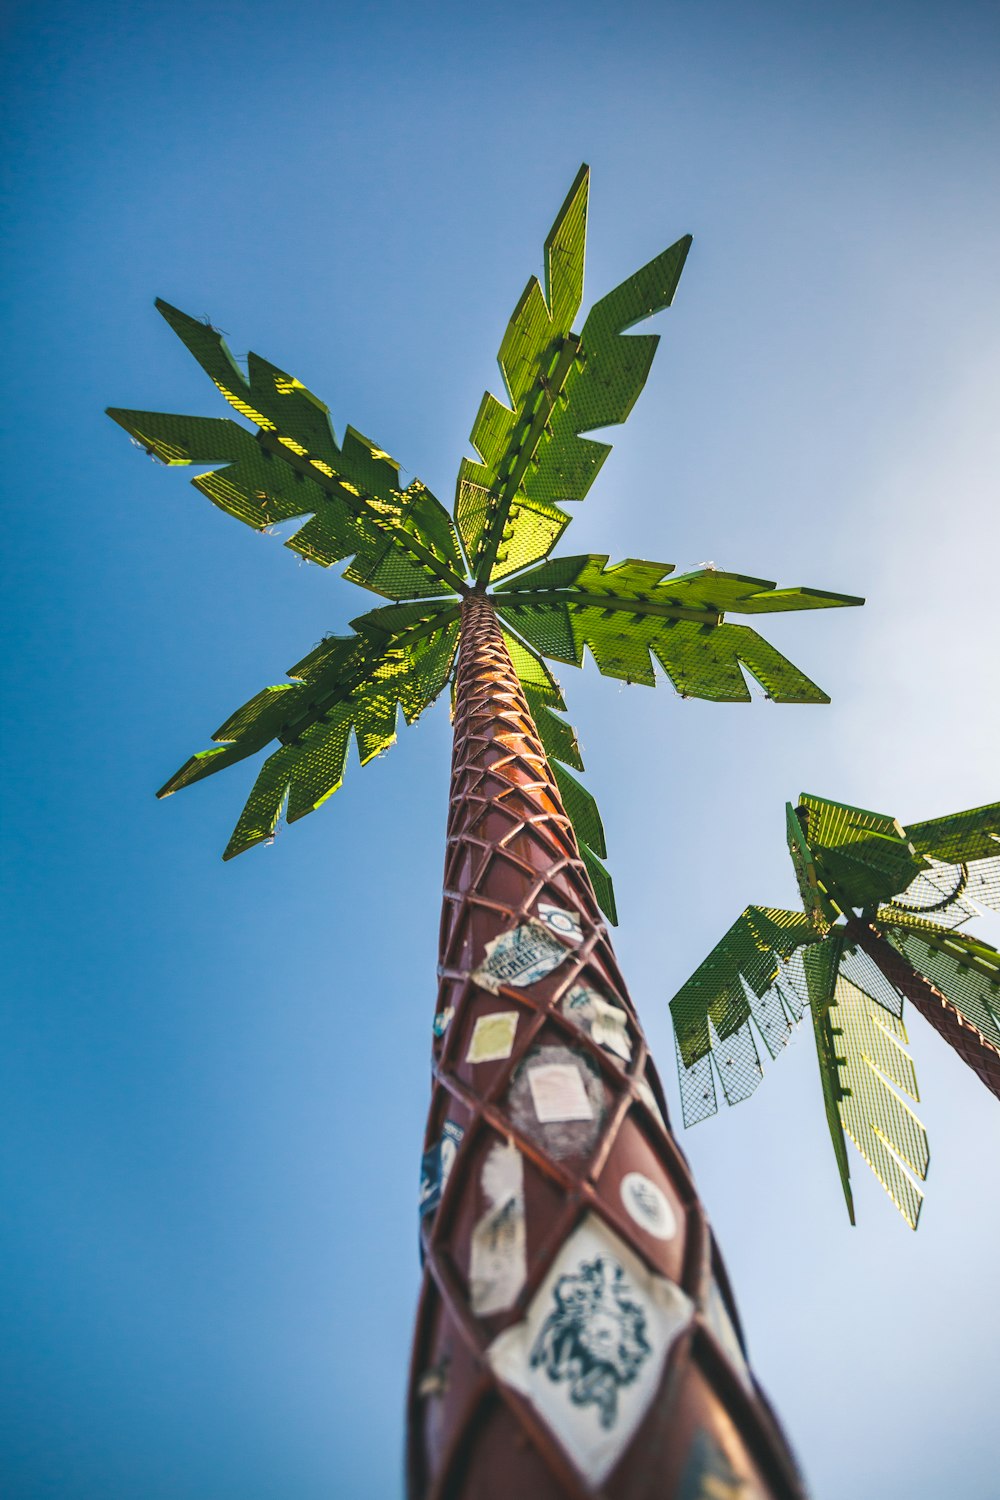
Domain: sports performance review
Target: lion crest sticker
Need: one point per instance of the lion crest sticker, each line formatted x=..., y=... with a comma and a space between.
x=590, y=1351
x=595, y=1336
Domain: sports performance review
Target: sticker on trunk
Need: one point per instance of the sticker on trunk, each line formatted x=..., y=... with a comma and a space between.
x=648, y=1205
x=492, y=1037
x=557, y=1098
x=497, y=1258
x=566, y=924
x=436, y=1165
x=558, y=1093
x=519, y=957
x=605, y=1023
x=590, y=1351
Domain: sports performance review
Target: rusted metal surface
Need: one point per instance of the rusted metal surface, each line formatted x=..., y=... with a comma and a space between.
x=976, y=1050
x=705, y=1433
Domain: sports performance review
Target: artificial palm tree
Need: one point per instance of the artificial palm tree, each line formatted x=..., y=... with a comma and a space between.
x=881, y=907
x=575, y=1325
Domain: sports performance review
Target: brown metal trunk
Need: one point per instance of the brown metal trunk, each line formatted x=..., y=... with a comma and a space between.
x=976, y=1050
x=523, y=1365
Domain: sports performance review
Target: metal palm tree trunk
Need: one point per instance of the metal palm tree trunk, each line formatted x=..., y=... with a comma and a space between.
x=576, y=1334
x=975, y=1049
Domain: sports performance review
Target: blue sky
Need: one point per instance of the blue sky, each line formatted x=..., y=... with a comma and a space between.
x=215, y=1077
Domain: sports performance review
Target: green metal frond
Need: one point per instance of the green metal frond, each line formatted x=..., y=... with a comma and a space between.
x=965, y=969
x=820, y=965
x=961, y=837
x=769, y=965
x=559, y=742
x=558, y=385
x=747, y=976
x=863, y=1068
x=862, y=857
x=937, y=871
x=623, y=613
x=346, y=685
x=349, y=497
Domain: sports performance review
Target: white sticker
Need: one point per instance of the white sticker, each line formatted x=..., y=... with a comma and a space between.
x=519, y=957
x=443, y=1020
x=497, y=1260
x=648, y=1205
x=590, y=1351
x=606, y=1023
x=492, y=1037
x=558, y=1093
x=565, y=923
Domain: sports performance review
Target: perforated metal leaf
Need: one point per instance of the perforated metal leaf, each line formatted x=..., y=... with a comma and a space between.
x=346, y=685
x=348, y=496
x=501, y=528
x=865, y=1069
x=602, y=387
x=964, y=969
x=626, y=612
x=531, y=456
x=962, y=873
x=747, y=977
x=863, y=857
x=960, y=837
x=867, y=859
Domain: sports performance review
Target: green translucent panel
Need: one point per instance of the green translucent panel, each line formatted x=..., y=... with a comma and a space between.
x=558, y=738
x=820, y=969
x=178, y=440
x=565, y=248
x=748, y=961
x=701, y=661
x=618, y=652
x=582, y=810
x=601, y=881
x=531, y=530
x=655, y=584
x=862, y=857
x=862, y=1064
x=295, y=468
x=527, y=339
x=777, y=601
x=534, y=325
x=345, y=685
x=386, y=568
x=501, y=528
x=966, y=971
x=545, y=625
x=532, y=671
x=474, y=503
x=960, y=838
x=870, y=1057
x=413, y=619
x=624, y=612
x=532, y=453
x=259, y=818
x=554, y=573
x=601, y=391
x=691, y=658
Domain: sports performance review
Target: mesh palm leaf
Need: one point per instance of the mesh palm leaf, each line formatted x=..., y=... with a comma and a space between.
x=911, y=886
x=400, y=542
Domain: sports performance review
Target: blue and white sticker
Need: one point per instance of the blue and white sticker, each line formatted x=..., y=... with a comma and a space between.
x=565, y=924
x=436, y=1165
x=648, y=1205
